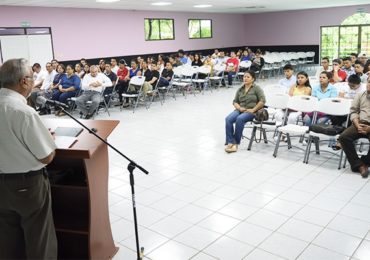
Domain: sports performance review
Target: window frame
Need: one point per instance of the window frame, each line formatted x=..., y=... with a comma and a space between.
x=200, y=28
x=159, y=28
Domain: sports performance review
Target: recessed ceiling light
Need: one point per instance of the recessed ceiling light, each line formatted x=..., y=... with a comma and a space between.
x=107, y=1
x=161, y=3
x=202, y=6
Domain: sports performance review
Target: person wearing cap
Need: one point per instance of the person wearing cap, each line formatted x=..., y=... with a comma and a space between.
x=362, y=57
x=26, y=220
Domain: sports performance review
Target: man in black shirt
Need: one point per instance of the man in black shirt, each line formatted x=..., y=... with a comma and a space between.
x=113, y=77
x=166, y=76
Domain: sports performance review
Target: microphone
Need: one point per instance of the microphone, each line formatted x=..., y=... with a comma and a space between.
x=42, y=100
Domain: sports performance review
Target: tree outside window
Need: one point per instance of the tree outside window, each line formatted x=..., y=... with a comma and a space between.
x=199, y=28
x=159, y=29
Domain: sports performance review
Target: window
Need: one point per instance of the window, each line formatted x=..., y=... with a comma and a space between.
x=199, y=29
x=158, y=29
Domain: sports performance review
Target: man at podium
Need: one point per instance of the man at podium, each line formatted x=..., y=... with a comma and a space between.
x=26, y=222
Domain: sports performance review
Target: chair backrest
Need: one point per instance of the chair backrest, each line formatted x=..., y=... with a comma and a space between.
x=274, y=89
x=137, y=80
x=219, y=67
x=204, y=70
x=188, y=71
x=245, y=64
x=303, y=103
x=334, y=106
x=277, y=100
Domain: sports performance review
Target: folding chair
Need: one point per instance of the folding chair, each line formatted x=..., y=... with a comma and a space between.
x=274, y=101
x=301, y=104
x=185, y=84
x=333, y=107
x=135, y=97
x=243, y=67
x=219, y=71
x=205, y=81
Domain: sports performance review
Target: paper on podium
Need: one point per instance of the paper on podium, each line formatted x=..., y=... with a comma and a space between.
x=64, y=142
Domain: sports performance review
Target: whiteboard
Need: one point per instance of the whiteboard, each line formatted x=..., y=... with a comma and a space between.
x=14, y=47
x=34, y=48
x=40, y=49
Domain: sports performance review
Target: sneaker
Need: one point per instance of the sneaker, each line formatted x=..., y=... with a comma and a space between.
x=126, y=104
x=232, y=149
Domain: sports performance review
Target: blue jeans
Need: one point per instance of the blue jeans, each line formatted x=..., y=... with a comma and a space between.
x=62, y=97
x=234, y=136
x=230, y=77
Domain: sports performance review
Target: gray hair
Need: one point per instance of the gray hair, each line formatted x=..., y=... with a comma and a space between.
x=12, y=71
x=94, y=67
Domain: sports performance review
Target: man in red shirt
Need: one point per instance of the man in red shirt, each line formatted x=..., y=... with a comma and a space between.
x=124, y=79
x=232, y=67
x=339, y=75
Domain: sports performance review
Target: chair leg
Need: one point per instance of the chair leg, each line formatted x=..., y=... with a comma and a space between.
x=316, y=140
x=277, y=144
x=264, y=135
x=308, y=149
x=252, y=138
x=288, y=141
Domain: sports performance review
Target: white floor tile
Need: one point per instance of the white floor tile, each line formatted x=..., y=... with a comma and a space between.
x=203, y=256
x=326, y=203
x=170, y=226
x=219, y=223
x=270, y=189
x=255, y=199
x=318, y=253
x=249, y=233
x=300, y=229
x=197, y=237
x=267, y=219
x=283, y=246
x=168, y=205
x=356, y=211
x=148, y=239
x=212, y=202
x=238, y=210
x=350, y=226
x=338, y=242
x=363, y=252
x=172, y=250
x=125, y=254
x=259, y=254
x=226, y=248
x=297, y=196
x=283, y=207
x=192, y=214
x=315, y=216
x=228, y=192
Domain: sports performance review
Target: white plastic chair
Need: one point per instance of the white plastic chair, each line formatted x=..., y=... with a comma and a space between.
x=273, y=101
x=137, y=81
x=333, y=107
x=300, y=104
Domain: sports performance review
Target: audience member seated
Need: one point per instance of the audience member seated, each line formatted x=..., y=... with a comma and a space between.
x=86, y=69
x=149, y=84
x=360, y=128
x=46, y=85
x=83, y=62
x=55, y=64
x=144, y=71
x=301, y=87
x=362, y=57
x=182, y=57
x=166, y=76
x=79, y=71
x=258, y=62
x=113, y=77
x=248, y=100
x=339, y=75
x=323, y=90
x=290, y=79
x=359, y=70
x=102, y=65
x=124, y=78
x=38, y=75
x=221, y=59
x=348, y=67
x=351, y=88
x=367, y=68
x=175, y=62
x=245, y=56
x=215, y=54
x=68, y=87
x=197, y=61
x=353, y=57
x=161, y=62
x=232, y=65
x=92, y=85
x=324, y=67
x=114, y=66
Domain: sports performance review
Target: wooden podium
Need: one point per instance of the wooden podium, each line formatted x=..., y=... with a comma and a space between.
x=79, y=190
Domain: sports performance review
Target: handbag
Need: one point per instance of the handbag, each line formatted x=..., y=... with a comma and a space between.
x=261, y=115
x=327, y=129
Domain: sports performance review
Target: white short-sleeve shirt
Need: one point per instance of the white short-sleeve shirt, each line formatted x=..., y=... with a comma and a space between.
x=23, y=137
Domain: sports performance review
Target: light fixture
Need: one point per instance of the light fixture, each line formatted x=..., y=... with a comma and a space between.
x=40, y=32
x=202, y=6
x=161, y=3
x=107, y=1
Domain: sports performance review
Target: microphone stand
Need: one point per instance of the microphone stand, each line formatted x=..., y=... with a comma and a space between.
x=130, y=167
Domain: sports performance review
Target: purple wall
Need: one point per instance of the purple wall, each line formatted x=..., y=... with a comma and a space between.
x=92, y=33
x=293, y=27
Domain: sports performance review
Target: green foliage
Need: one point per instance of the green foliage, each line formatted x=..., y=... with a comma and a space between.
x=200, y=29
x=158, y=29
x=358, y=18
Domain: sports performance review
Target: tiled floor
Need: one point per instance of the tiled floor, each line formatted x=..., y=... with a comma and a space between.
x=200, y=203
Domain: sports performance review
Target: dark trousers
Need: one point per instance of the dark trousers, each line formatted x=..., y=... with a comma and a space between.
x=122, y=87
x=26, y=221
x=347, y=139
